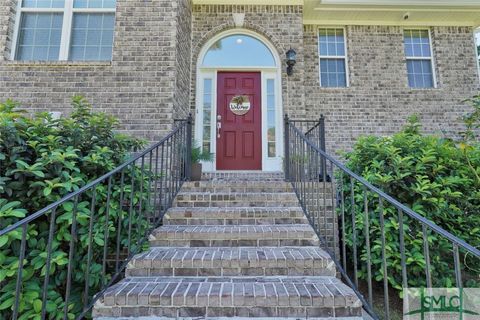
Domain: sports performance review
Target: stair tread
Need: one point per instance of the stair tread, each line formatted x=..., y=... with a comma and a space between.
x=235, y=212
x=222, y=183
x=231, y=292
x=285, y=231
x=231, y=257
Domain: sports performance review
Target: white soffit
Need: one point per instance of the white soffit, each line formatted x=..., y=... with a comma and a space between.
x=393, y=12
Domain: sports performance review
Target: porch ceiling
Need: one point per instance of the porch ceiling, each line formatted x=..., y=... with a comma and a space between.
x=378, y=12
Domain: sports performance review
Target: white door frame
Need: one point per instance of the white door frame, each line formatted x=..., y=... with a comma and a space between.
x=267, y=73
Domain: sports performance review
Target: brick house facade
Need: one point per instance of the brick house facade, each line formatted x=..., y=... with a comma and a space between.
x=153, y=76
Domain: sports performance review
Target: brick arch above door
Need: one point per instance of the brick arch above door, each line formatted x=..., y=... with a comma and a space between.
x=277, y=48
x=197, y=47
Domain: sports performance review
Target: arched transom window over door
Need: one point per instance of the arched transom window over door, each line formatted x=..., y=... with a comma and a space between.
x=238, y=50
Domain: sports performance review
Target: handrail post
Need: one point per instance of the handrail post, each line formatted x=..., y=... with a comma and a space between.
x=188, y=143
x=287, y=147
x=322, y=144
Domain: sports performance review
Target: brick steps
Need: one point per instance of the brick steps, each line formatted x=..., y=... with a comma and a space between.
x=174, y=297
x=220, y=200
x=262, y=261
x=234, y=246
x=234, y=216
x=234, y=236
x=244, y=176
x=237, y=187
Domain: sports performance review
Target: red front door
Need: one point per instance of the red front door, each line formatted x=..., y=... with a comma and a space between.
x=239, y=142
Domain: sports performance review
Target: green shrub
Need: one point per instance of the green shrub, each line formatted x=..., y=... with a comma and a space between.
x=41, y=161
x=436, y=177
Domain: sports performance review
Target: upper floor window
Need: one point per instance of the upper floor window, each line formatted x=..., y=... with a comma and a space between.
x=78, y=30
x=333, y=57
x=418, y=52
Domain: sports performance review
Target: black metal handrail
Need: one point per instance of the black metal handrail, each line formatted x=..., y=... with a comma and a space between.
x=326, y=188
x=137, y=195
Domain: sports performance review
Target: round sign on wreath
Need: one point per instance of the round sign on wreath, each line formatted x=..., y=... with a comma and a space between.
x=240, y=105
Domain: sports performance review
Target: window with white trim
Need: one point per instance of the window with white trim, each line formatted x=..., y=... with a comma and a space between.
x=76, y=30
x=271, y=119
x=418, y=52
x=333, y=57
x=207, y=114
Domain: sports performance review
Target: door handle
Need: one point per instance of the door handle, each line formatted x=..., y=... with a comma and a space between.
x=219, y=126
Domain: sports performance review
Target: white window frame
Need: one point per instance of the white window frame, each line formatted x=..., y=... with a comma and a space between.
x=68, y=12
x=344, y=57
x=476, y=35
x=431, y=58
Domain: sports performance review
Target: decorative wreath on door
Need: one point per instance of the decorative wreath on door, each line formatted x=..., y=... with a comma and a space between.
x=240, y=105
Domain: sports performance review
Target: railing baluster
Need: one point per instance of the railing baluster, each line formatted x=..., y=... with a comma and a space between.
x=311, y=180
x=89, y=249
x=334, y=211
x=302, y=181
x=426, y=253
x=172, y=176
x=171, y=156
x=367, y=242
x=119, y=222
x=458, y=270
x=175, y=165
x=384, y=261
x=318, y=196
x=402, y=249
x=107, y=231
x=324, y=196
x=354, y=230
x=140, y=205
x=131, y=208
x=18, y=292
x=73, y=240
x=46, y=282
x=155, y=213
x=160, y=191
x=149, y=195
x=342, y=212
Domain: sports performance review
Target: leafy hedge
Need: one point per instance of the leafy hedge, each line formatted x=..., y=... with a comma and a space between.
x=42, y=160
x=438, y=178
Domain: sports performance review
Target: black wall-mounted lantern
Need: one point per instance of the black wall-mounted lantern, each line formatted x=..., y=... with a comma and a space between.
x=291, y=60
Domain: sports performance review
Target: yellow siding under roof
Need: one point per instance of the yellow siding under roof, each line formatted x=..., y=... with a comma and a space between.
x=377, y=12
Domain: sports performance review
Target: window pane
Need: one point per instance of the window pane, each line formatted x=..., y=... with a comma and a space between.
x=39, y=36
x=333, y=73
x=43, y=3
x=271, y=149
x=92, y=36
x=107, y=4
x=207, y=114
x=271, y=118
x=420, y=73
x=332, y=42
x=417, y=43
x=239, y=51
